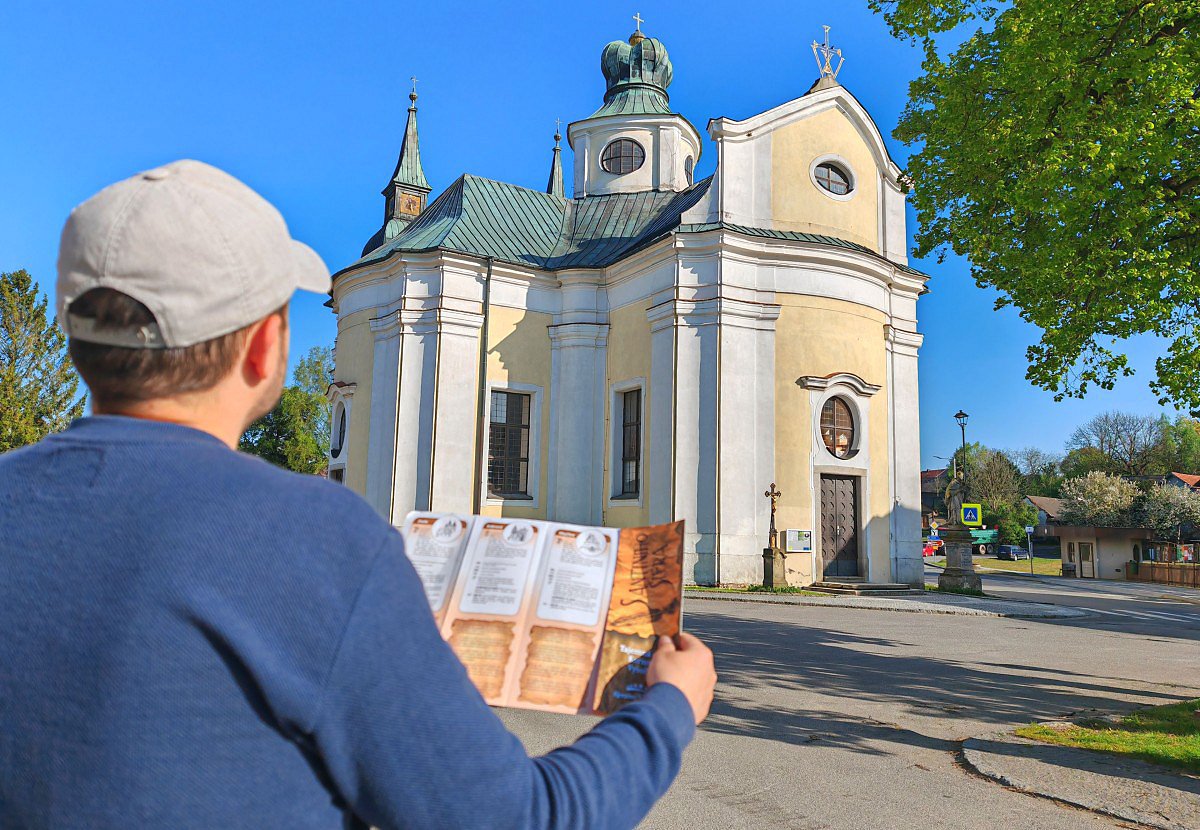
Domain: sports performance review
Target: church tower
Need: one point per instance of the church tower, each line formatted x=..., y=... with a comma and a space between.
x=405, y=194
x=634, y=142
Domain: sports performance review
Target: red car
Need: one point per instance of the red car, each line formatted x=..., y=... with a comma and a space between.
x=932, y=547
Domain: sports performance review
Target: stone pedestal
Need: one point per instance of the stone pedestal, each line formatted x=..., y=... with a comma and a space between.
x=774, y=568
x=960, y=569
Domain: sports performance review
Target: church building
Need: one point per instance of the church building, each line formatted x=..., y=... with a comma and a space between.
x=651, y=347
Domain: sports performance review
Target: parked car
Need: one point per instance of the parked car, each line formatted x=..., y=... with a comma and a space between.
x=1012, y=553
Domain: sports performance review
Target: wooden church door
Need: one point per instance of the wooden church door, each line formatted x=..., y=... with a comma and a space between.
x=839, y=525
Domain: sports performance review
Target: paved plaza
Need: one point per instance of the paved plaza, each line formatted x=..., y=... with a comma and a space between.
x=835, y=718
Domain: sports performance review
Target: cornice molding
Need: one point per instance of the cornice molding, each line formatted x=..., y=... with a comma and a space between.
x=820, y=384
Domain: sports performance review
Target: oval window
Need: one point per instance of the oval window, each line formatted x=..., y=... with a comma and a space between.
x=339, y=435
x=622, y=156
x=689, y=169
x=833, y=178
x=837, y=428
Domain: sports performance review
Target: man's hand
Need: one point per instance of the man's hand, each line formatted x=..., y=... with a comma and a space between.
x=687, y=664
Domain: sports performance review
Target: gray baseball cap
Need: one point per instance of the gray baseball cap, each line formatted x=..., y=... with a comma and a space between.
x=205, y=253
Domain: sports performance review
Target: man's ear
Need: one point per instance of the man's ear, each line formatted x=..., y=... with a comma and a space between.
x=262, y=349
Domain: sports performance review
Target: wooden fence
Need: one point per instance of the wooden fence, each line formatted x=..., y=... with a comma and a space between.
x=1166, y=573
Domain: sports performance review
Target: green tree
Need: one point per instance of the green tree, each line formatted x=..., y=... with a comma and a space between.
x=38, y=384
x=1058, y=148
x=1181, y=446
x=295, y=434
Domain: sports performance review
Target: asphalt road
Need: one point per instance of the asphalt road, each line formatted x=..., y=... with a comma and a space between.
x=831, y=718
x=1119, y=606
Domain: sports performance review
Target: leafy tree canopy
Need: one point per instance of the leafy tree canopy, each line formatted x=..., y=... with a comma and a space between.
x=1059, y=150
x=1099, y=499
x=38, y=384
x=295, y=434
x=1168, y=509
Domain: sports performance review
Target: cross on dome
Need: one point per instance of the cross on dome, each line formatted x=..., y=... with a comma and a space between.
x=638, y=19
x=826, y=52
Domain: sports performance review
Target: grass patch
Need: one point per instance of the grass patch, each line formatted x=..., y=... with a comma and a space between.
x=1165, y=735
x=966, y=592
x=1041, y=566
x=756, y=589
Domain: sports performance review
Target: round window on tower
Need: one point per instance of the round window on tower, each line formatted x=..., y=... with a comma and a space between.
x=622, y=156
x=837, y=428
x=833, y=178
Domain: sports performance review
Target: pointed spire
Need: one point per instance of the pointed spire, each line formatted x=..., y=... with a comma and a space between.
x=555, y=185
x=408, y=165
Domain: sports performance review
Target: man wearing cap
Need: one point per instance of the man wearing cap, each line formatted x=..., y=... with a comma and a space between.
x=192, y=638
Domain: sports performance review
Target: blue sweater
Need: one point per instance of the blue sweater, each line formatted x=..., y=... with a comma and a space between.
x=192, y=638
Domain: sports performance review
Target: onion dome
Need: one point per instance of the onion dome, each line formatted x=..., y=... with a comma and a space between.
x=638, y=73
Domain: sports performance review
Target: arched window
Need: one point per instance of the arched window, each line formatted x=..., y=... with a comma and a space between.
x=622, y=156
x=339, y=432
x=837, y=427
x=833, y=178
x=688, y=169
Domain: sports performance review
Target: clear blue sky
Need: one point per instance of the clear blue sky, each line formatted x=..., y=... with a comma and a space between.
x=306, y=102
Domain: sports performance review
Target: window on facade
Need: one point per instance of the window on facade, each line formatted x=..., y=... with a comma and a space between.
x=338, y=475
x=689, y=169
x=339, y=433
x=837, y=427
x=833, y=178
x=508, y=446
x=631, y=442
x=622, y=156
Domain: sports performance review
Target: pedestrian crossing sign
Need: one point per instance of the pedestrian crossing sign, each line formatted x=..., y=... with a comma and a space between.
x=971, y=515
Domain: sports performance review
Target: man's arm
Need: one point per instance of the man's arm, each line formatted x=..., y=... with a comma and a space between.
x=409, y=742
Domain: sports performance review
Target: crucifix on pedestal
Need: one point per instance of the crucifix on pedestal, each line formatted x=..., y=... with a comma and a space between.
x=774, y=567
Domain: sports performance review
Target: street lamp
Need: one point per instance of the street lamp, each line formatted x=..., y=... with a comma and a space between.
x=961, y=417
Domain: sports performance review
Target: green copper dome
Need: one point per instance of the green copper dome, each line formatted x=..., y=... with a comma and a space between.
x=638, y=74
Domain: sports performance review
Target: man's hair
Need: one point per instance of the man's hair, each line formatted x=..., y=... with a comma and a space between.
x=119, y=376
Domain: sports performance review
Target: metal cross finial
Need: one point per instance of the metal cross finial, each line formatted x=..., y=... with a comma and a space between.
x=824, y=53
x=412, y=96
x=638, y=18
x=557, y=131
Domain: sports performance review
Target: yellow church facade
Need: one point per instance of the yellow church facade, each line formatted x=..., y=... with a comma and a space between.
x=651, y=348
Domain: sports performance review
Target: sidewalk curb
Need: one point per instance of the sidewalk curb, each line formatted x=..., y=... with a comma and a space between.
x=1051, y=783
x=956, y=607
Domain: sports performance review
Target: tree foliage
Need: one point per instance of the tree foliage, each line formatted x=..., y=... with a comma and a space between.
x=1059, y=150
x=1168, y=509
x=993, y=480
x=295, y=434
x=38, y=384
x=1099, y=499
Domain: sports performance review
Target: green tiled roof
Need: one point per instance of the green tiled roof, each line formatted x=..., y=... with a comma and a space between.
x=527, y=227
x=641, y=99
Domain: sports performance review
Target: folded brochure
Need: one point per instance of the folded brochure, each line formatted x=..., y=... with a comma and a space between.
x=545, y=615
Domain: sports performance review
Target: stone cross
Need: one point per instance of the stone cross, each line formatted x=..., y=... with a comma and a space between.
x=773, y=495
x=638, y=17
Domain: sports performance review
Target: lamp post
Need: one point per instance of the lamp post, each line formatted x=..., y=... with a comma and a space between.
x=961, y=417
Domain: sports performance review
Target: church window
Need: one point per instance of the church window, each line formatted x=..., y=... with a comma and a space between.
x=622, y=156
x=508, y=446
x=631, y=442
x=688, y=169
x=837, y=428
x=833, y=178
x=339, y=434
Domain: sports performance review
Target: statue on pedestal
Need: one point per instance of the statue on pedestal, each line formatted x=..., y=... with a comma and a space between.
x=959, y=573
